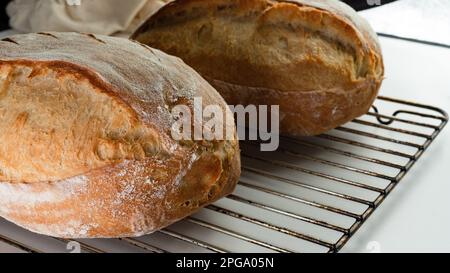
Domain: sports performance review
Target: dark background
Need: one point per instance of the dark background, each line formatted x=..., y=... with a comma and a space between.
x=3, y=17
x=356, y=4
x=363, y=4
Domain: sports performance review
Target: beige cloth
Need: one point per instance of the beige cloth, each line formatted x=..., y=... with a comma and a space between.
x=106, y=17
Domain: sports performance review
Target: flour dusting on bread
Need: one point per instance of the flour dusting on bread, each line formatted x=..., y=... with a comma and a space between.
x=87, y=150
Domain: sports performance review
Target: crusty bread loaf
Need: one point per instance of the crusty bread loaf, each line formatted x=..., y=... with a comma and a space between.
x=86, y=147
x=318, y=60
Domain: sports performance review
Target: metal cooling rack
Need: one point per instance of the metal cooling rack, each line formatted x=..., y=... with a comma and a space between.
x=311, y=195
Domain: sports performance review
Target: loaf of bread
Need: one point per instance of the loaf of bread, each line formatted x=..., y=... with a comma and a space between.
x=86, y=142
x=318, y=60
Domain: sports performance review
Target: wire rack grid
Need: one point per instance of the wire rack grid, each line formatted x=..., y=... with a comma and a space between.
x=311, y=195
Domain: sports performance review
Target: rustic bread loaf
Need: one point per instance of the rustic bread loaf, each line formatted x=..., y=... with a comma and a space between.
x=86, y=145
x=318, y=60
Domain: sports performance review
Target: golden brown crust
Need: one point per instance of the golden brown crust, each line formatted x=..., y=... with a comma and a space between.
x=300, y=115
x=129, y=177
x=283, y=47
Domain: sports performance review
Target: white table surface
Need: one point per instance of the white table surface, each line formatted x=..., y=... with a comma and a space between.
x=427, y=20
x=416, y=216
